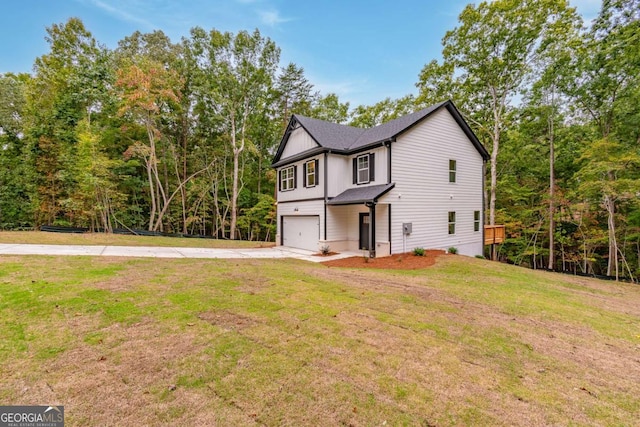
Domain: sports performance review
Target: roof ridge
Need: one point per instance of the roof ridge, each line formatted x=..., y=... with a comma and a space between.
x=393, y=127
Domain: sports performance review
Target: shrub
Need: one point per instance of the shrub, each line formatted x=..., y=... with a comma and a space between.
x=418, y=251
x=325, y=250
x=480, y=256
x=452, y=250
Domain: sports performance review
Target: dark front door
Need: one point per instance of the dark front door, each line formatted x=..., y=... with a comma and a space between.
x=364, y=231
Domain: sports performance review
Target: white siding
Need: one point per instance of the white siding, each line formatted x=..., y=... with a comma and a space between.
x=298, y=141
x=304, y=208
x=302, y=192
x=343, y=228
x=423, y=194
x=341, y=171
x=339, y=174
x=382, y=223
x=337, y=222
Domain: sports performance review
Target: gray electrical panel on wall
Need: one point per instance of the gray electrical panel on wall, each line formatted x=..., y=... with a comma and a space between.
x=406, y=227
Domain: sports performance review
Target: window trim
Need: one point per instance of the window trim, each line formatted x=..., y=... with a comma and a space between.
x=453, y=168
x=359, y=169
x=371, y=162
x=451, y=221
x=288, y=183
x=476, y=221
x=313, y=162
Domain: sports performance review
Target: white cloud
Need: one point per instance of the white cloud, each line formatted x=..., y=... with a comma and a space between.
x=120, y=12
x=272, y=18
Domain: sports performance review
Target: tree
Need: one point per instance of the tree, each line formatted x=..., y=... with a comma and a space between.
x=381, y=112
x=487, y=59
x=240, y=72
x=146, y=88
x=545, y=97
x=294, y=93
x=605, y=89
x=610, y=174
x=16, y=174
x=70, y=83
x=330, y=108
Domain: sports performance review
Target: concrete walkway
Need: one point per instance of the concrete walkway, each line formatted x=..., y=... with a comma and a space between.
x=166, y=252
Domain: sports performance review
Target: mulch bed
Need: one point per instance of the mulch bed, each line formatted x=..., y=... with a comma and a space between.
x=406, y=261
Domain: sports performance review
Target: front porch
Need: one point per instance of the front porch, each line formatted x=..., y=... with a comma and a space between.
x=356, y=222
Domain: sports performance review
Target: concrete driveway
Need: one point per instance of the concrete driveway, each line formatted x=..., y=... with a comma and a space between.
x=164, y=252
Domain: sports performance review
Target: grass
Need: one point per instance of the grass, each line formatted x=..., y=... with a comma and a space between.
x=281, y=342
x=46, y=238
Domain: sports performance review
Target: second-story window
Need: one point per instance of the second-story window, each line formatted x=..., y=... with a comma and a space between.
x=288, y=178
x=310, y=173
x=452, y=171
x=363, y=169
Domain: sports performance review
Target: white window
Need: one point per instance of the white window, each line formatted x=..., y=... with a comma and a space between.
x=363, y=169
x=310, y=177
x=288, y=178
x=452, y=170
x=476, y=220
x=452, y=223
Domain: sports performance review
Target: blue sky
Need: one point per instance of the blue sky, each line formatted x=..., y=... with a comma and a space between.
x=363, y=50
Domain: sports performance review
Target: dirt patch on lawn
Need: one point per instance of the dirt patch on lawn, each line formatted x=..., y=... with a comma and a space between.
x=406, y=261
x=227, y=320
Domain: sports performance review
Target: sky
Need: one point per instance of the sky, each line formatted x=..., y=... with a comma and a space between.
x=362, y=50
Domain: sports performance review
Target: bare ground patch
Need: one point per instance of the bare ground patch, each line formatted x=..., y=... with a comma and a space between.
x=227, y=320
x=128, y=379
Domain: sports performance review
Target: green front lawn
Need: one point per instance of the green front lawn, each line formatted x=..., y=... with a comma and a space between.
x=47, y=238
x=282, y=342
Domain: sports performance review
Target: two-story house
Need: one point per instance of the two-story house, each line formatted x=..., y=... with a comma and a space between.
x=417, y=181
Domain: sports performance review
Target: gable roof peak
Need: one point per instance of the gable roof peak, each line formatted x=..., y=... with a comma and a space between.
x=345, y=138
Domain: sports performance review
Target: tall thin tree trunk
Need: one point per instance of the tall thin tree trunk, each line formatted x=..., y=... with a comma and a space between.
x=552, y=184
x=152, y=193
x=234, y=194
x=613, y=245
x=184, y=175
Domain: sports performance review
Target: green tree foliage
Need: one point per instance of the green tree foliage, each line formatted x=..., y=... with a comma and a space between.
x=381, y=112
x=70, y=83
x=16, y=189
x=330, y=108
x=180, y=136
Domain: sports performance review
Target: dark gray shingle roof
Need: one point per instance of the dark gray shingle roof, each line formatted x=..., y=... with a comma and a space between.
x=343, y=137
x=392, y=128
x=330, y=135
x=349, y=139
x=363, y=194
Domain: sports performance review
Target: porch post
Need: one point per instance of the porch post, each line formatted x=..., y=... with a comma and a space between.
x=372, y=229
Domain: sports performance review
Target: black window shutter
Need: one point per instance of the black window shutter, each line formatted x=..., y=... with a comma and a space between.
x=304, y=174
x=355, y=170
x=372, y=167
x=280, y=180
x=315, y=172
x=295, y=176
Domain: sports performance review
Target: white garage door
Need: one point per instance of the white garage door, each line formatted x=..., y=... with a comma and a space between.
x=301, y=232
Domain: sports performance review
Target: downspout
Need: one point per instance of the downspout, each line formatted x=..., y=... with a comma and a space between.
x=389, y=162
x=325, y=194
x=389, y=182
x=484, y=178
x=372, y=229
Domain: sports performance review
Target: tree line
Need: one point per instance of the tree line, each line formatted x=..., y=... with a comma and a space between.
x=179, y=137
